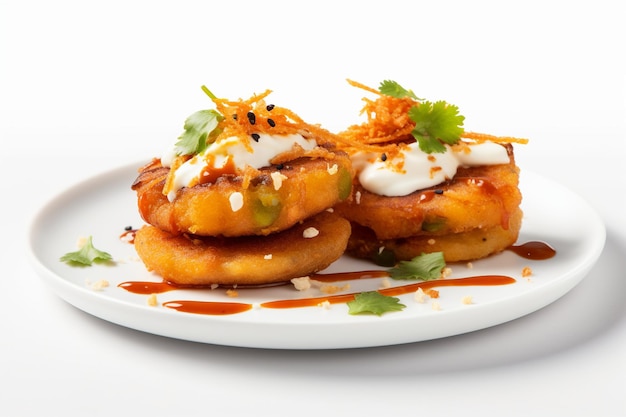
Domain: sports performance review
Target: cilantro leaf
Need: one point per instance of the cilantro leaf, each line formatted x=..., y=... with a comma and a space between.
x=86, y=255
x=373, y=302
x=426, y=266
x=393, y=89
x=427, y=143
x=435, y=123
x=198, y=129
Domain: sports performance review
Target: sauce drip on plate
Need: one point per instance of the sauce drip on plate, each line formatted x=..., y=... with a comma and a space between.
x=530, y=250
x=537, y=251
x=404, y=289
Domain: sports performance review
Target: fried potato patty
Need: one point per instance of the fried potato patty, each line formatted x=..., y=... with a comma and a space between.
x=472, y=216
x=305, y=248
x=276, y=199
x=477, y=197
x=463, y=246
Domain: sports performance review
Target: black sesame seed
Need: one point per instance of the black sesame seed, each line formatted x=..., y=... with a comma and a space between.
x=270, y=107
x=128, y=228
x=271, y=122
x=439, y=192
x=383, y=157
x=280, y=166
x=256, y=137
x=251, y=118
x=234, y=117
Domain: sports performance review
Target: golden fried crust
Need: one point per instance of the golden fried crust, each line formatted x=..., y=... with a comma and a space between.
x=481, y=197
x=248, y=260
x=274, y=200
x=463, y=246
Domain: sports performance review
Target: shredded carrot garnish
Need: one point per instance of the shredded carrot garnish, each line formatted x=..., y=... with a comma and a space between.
x=388, y=126
x=484, y=137
x=244, y=118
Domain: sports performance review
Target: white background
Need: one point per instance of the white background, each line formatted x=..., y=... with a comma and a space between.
x=88, y=86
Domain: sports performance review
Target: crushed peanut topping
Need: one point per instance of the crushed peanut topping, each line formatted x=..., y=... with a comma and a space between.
x=99, y=285
x=310, y=232
x=333, y=289
x=152, y=300
x=420, y=296
x=301, y=283
x=236, y=201
x=332, y=170
x=385, y=283
x=277, y=179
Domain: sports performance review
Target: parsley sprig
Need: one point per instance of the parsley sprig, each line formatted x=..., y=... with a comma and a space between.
x=200, y=130
x=393, y=89
x=436, y=123
x=86, y=255
x=373, y=302
x=427, y=266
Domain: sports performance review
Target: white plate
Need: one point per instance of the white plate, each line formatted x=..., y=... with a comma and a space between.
x=103, y=206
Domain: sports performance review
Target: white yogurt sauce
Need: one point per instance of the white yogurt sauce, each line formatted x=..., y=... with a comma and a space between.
x=256, y=154
x=422, y=170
